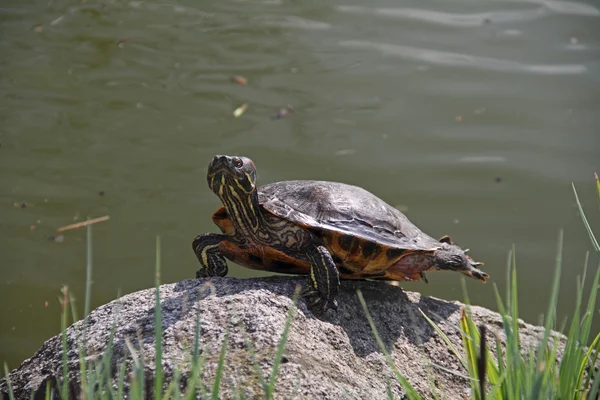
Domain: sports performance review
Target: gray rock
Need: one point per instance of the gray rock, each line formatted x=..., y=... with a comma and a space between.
x=333, y=356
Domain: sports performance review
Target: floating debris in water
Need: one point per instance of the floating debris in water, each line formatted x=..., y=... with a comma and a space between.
x=121, y=43
x=479, y=110
x=57, y=238
x=38, y=28
x=283, y=112
x=57, y=20
x=498, y=179
x=21, y=204
x=101, y=193
x=240, y=80
x=459, y=118
x=456, y=220
x=46, y=304
x=82, y=224
x=32, y=228
x=238, y=112
x=344, y=152
x=573, y=40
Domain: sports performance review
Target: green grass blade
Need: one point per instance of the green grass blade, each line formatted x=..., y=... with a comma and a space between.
x=551, y=313
x=594, y=390
x=106, y=381
x=172, y=391
x=254, y=361
x=11, y=395
x=389, y=389
x=451, y=372
x=81, y=352
x=88, y=272
x=411, y=393
x=591, y=357
x=445, y=339
x=121, y=381
x=519, y=378
x=470, y=351
x=197, y=363
x=597, y=186
x=196, y=349
x=136, y=386
x=195, y=372
x=194, y=383
x=158, y=374
x=281, y=345
x=586, y=327
x=574, y=357
x=482, y=361
x=63, y=327
x=219, y=374
x=514, y=300
x=585, y=223
x=508, y=272
x=589, y=312
x=491, y=369
x=177, y=381
x=501, y=386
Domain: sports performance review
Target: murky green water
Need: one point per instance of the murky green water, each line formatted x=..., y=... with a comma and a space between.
x=475, y=117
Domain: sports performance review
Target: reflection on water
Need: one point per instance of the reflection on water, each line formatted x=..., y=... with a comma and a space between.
x=474, y=118
x=465, y=60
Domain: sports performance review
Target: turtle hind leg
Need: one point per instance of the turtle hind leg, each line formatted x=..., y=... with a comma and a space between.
x=206, y=248
x=324, y=280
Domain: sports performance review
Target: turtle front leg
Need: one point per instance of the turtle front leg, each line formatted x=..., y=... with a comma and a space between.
x=324, y=280
x=206, y=247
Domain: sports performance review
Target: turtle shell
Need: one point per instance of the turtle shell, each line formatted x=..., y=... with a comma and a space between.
x=365, y=235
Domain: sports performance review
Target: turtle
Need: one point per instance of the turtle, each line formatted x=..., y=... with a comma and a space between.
x=326, y=230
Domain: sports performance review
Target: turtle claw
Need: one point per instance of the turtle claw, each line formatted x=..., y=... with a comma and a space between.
x=201, y=273
x=316, y=303
x=333, y=304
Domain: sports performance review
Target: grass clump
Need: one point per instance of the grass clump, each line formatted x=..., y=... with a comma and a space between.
x=96, y=378
x=537, y=374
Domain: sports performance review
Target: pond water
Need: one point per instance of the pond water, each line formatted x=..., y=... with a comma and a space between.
x=473, y=118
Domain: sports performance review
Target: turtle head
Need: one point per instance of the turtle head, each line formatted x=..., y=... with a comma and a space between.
x=231, y=174
x=453, y=258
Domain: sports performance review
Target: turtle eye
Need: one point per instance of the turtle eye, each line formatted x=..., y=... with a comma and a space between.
x=238, y=162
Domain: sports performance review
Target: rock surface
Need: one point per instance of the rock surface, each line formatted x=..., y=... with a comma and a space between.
x=327, y=357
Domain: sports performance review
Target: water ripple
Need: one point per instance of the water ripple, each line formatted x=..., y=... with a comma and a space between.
x=566, y=7
x=293, y=22
x=449, y=19
x=465, y=60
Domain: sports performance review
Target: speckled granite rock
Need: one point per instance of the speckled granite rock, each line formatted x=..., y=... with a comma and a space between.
x=329, y=357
